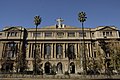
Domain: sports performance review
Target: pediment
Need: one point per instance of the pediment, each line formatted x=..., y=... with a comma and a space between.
x=13, y=28
x=107, y=28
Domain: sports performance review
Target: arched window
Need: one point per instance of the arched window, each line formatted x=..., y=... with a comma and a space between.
x=59, y=50
x=47, y=50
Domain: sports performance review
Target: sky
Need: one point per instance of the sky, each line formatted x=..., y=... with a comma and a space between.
x=22, y=12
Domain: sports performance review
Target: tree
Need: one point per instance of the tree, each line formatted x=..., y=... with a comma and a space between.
x=82, y=18
x=37, y=21
x=115, y=54
x=100, y=59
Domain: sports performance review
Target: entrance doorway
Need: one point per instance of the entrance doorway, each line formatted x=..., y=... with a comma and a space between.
x=72, y=68
x=59, y=68
x=47, y=68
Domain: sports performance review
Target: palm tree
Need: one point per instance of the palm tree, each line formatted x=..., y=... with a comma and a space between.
x=37, y=21
x=82, y=18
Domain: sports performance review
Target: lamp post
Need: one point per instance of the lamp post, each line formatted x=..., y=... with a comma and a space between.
x=82, y=18
x=37, y=21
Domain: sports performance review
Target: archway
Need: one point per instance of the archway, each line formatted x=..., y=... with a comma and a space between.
x=59, y=68
x=47, y=68
x=72, y=68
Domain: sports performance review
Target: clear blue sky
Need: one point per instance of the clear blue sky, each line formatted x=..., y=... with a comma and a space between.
x=22, y=12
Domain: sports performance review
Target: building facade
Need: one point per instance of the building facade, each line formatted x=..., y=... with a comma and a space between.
x=53, y=45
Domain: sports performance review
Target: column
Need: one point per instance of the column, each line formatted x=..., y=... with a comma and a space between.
x=89, y=45
x=43, y=50
x=75, y=50
x=78, y=54
x=31, y=50
x=91, y=50
x=1, y=48
x=28, y=51
x=64, y=50
x=52, y=50
x=87, y=50
x=55, y=50
x=40, y=50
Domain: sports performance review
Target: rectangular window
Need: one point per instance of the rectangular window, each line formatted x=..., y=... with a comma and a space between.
x=103, y=33
x=94, y=54
x=12, y=34
x=37, y=34
x=93, y=35
x=71, y=34
x=48, y=34
x=81, y=34
x=110, y=33
x=60, y=34
x=107, y=33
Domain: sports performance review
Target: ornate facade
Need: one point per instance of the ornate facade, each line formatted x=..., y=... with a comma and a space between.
x=53, y=45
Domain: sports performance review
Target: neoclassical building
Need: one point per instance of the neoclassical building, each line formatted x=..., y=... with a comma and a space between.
x=53, y=44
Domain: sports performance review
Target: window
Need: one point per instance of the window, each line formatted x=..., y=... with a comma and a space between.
x=110, y=33
x=95, y=54
x=60, y=34
x=38, y=34
x=93, y=34
x=12, y=34
x=103, y=33
x=11, y=50
x=47, y=50
x=81, y=34
x=71, y=34
x=48, y=34
x=0, y=34
x=71, y=51
x=59, y=51
x=107, y=33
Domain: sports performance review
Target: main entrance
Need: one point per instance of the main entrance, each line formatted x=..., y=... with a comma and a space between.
x=47, y=68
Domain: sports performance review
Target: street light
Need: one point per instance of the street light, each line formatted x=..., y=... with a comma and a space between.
x=82, y=18
x=37, y=21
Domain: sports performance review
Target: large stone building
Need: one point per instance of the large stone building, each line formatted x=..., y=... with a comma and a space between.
x=53, y=44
